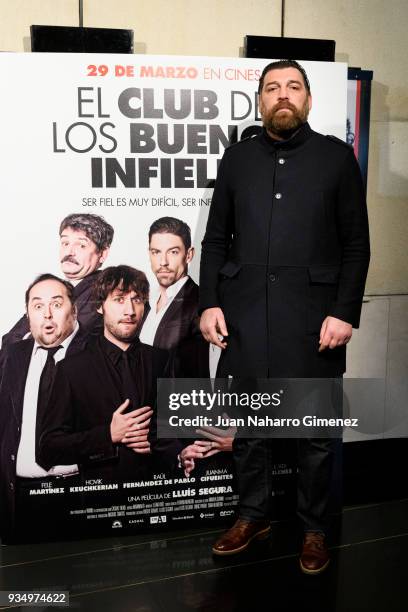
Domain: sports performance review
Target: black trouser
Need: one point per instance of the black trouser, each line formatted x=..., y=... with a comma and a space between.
x=253, y=464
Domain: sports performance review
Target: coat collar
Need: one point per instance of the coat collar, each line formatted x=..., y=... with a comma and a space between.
x=297, y=139
x=114, y=352
x=86, y=283
x=188, y=294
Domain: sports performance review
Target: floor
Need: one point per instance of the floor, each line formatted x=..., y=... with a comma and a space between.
x=175, y=571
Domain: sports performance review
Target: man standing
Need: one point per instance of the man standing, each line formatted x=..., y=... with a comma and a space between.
x=173, y=322
x=101, y=407
x=283, y=269
x=25, y=387
x=85, y=241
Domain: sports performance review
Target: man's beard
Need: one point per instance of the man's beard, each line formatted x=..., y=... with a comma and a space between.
x=284, y=124
x=121, y=334
x=168, y=280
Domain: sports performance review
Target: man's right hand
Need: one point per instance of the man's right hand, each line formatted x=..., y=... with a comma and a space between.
x=212, y=325
x=136, y=437
x=121, y=423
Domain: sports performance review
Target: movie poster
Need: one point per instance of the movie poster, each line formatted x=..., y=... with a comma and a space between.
x=132, y=139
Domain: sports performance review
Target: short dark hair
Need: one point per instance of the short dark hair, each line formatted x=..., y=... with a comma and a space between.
x=171, y=225
x=280, y=65
x=124, y=278
x=94, y=226
x=44, y=277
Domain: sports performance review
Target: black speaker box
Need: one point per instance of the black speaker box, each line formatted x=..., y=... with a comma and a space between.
x=276, y=47
x=64, y=39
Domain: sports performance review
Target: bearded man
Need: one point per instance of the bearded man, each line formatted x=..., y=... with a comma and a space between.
x=101, y=406
x=283, y=269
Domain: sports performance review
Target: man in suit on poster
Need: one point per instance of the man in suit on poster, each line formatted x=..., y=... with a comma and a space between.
x=28, y=374
x=283, y=269
x=173, y=323
x=85, y=240
x=100, y=414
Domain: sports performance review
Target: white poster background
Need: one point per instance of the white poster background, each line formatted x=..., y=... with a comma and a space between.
x=39, y=187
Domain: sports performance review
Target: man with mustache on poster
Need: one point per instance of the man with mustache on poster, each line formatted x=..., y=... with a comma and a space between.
x=85, y=240
x=28, y=375
x=283, y=269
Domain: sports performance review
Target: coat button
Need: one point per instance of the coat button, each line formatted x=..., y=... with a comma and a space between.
x=12, y=486
x=12, y=457
x=281, y=161
x=278, y=196
x=272, y=277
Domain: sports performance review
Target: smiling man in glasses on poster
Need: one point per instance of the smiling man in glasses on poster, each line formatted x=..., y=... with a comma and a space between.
x=283, y=269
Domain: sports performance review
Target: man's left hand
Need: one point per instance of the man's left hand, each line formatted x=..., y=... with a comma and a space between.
x=334, y=332
x=221, y=439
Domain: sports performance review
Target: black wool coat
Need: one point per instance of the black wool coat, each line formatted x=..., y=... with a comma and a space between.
x=286, y=245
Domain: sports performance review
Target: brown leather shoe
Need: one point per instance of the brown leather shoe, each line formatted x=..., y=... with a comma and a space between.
x=315, y=556
x=240, y=535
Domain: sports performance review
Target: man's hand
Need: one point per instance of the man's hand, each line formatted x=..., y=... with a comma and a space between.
x=136, y=435
x=212, y=325
x=123, y=424
x=197, y=450
x=218, y=444
x=221, y=439
x=334, y=332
